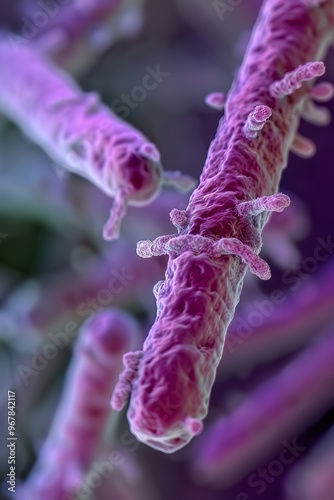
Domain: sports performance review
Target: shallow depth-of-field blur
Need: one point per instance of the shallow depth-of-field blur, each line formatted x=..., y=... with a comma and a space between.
x=53, y=259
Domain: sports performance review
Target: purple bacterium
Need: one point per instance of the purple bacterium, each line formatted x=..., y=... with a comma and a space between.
x=219, y=234
x=81, y=134
x=76, y=430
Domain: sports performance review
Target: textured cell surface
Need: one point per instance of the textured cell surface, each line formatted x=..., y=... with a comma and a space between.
x=220, y=231
x=80, y=133
x=271, y=402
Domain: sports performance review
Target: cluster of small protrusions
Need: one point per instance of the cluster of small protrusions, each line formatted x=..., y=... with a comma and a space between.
x=293, y=80
x=176, y=244
x=256, y=121
x=219, y=234
x=131, y=361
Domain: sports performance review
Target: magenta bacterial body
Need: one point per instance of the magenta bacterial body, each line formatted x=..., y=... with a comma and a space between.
x=186, y=350
x=80, y=133
x=76, y=431
x=219, y=234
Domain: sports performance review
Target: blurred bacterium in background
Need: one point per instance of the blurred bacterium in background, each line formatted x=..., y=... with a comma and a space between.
x=222, y=341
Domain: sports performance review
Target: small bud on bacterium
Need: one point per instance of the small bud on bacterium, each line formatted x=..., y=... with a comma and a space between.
x=217, y=241
x=78, y=132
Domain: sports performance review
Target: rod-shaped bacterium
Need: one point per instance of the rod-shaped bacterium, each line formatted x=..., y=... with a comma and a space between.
x=76, y=430
x=80, y=133
x=219, y=235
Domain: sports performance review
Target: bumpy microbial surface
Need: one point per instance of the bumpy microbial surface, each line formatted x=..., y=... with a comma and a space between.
x=81, y=134
x=219, y=234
